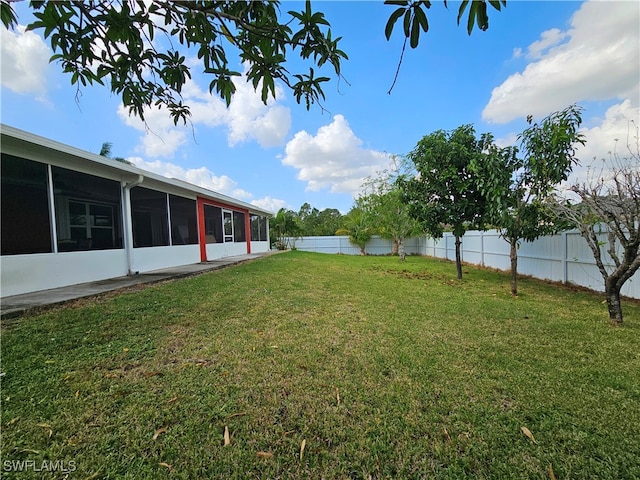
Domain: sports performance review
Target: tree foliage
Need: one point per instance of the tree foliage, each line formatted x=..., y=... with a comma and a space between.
x=607, y=214
x=140, y=48
x=285, y=228
x=443, y=192
x=414, y=20
x=135, y=47
x=390, y=214
x=288, y=225
x=515, y=186
x=319, y=223
x=357, y=224
x=105, y=151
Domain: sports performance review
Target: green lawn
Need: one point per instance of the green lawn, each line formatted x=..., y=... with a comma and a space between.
x=383, y=369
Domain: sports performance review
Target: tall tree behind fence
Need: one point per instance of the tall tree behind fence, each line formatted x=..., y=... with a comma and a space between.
x=564, y=257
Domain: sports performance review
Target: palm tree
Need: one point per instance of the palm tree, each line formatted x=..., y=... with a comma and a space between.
x=358, y=226
x=105, y=151
x=286, y=228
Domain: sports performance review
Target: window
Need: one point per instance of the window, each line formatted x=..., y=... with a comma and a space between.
x=26, y=223
x=213, y=224
x=184, y=222
x=87, y=211
x=149, y=217
x=258, y=228
x=264, y=235
x=228, y=225
x=239, y=234
x=91, y=224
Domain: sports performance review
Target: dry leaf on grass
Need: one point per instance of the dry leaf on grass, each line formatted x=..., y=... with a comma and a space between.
x=159, y=432
x=227, y=439
x=338, y=396
x=304, y=444
x=264, y=454
x=239, y=414
x=47, y=426
x=552, y=475
x=447, y=437
x=528, y=433
x=165, y=464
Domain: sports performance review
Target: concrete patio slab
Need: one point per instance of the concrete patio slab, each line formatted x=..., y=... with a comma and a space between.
x=17, y=305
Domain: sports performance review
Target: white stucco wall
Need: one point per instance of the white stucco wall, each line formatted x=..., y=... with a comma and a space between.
x=43, y=271
x=154, y=258
x=220, y=250
x=260, y=247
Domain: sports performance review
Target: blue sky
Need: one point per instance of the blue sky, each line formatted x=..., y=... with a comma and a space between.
x=536, y=58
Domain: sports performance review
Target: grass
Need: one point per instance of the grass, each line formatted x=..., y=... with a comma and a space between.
x=383, y=369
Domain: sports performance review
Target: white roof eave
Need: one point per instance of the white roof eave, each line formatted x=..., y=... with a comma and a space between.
x=46, y=143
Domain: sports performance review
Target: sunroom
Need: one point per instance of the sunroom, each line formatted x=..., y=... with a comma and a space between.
x=70, y=217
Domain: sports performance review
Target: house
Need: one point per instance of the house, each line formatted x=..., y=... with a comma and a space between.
x=70, y=216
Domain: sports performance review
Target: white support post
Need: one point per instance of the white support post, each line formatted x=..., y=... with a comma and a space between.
x=52, y=212
x=565, y=254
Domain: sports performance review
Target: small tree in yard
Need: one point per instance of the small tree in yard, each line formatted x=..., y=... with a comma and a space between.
x=357, y=225
x=285, y=227
x=391, y=216
x=609, y=208
x=443, y=191
x=515, y=187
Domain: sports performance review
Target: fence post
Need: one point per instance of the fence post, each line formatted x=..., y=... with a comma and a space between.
x=565, y=254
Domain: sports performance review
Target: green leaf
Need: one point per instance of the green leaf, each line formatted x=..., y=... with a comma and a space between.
x=422, y=19
x=481, y=17
x=407, y=23
x=415, y=32
x=472, y=17
x=7, y=15
x=463, y=7
x=392, y=21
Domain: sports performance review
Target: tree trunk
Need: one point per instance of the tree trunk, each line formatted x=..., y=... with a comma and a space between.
x=613, y=302
x=401, y=252
x=458, y=258
x=394, y=250
x=513, y=255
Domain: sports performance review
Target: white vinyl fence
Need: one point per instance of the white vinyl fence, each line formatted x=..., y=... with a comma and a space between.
x=564, y=257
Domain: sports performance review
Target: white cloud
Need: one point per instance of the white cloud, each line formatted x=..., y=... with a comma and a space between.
x=161, y=137
x=202, y=177
x=548, y=39
x=609, y=135
x=334, y=158
x=599, y=61
x=270, y=204
x=246, y=119
x=613, y=133
x=250, y=119
x=25, y=61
